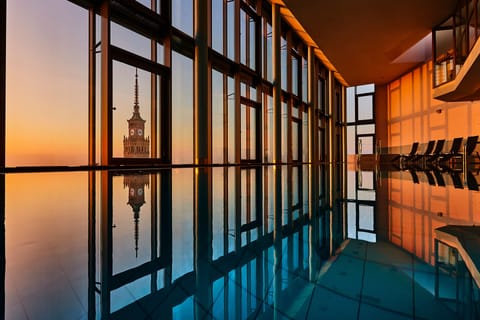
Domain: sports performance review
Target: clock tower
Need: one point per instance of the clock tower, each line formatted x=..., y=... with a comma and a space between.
x=136, y=145
x=136, y=199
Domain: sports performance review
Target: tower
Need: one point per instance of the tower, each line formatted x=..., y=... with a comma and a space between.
x=136, y=199
x=135, y=145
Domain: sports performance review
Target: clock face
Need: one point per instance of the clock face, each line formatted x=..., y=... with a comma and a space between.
x=132, y=192
x=139, y=192
x=132, y=132
x=140, y=132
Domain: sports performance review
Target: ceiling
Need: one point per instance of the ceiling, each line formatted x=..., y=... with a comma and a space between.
x=372, y=41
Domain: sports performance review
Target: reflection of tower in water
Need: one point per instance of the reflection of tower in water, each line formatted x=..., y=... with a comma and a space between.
x=135, y=145
x=136, y=198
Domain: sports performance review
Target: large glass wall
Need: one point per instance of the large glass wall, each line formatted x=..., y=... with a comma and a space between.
x=135, y=93
x=361, y=138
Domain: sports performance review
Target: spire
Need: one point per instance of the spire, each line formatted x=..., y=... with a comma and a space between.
x=136, y=106
x=136, y=219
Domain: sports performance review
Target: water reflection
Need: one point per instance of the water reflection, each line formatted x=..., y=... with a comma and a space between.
x=232, y=242
x=222, y=242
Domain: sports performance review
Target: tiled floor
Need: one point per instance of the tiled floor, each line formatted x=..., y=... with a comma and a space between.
x=365, y=281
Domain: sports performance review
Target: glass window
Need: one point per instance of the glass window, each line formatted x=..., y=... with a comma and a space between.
x=182, y=109
x=129, y=40
x=365, y=217
x=131, y=100
x=284, y=132
x=252, y=44
x=351, y=104
x=305, y=137
x=231, y=30
x=182, y=16
x=295, y=75
x=366, y=129
x=366, y=144
x=367, y=180
x=268, y=52
x=248, y=196
x=283, y=62
x=351, y=142
x=146, y=3
x=40, y=76
x=268, y=108
x=248, y=132
x=243, y=37
x=321, y=94
x=295, y=140
x=365, y=107
x=217, y=116
x=366, y=88
x=247, y=40
x=305, y=79
x=217, y=25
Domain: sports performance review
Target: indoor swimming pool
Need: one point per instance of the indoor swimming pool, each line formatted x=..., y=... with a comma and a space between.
x=261, y=242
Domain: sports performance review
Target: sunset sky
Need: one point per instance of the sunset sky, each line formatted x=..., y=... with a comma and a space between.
x=47, y=83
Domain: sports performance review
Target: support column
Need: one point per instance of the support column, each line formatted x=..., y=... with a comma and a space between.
x=106, y=238
x=331, y=137
x=312, y=107
x=203, y=241
x=91, y=87
x=277, y=84
x=238, y=114
x=277, y=157
x=165, y=217
x=106, y=85
x=154, y=150
x=92, y=194
x=203, y=119
x=313, y=226
x=154, y=226
x=3, y=61
x=344, y=147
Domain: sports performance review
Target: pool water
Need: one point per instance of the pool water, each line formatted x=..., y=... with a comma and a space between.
x=265, y=242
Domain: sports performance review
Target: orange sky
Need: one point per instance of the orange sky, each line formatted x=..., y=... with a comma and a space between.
x=46, y=83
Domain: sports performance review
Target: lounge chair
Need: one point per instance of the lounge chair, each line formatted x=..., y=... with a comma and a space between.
x=470, y=146
x=428, y=151
x=437, y=152
x=454, y=150
x=410, y=155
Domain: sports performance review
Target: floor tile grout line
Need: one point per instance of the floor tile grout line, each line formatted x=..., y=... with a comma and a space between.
x=311, y=298
x=366, y=302
x=363, y=282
